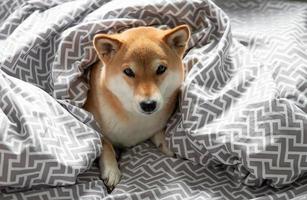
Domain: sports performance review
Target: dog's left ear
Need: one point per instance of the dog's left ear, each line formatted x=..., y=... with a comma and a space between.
x=177, y=38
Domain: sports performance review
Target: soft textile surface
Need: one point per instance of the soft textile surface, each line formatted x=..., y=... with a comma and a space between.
x=245, y=99
x=239, y=131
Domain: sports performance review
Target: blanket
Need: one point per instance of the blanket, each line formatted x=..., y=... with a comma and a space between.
x=238, y=131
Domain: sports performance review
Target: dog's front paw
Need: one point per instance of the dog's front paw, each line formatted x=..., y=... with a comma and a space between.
x=159, y=140
x=164, y=149
x=111, y=176
x=109, y=171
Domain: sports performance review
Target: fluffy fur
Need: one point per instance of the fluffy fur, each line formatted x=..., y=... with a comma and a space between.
x=115, y=98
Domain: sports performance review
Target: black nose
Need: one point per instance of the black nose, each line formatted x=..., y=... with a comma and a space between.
x=148, y=106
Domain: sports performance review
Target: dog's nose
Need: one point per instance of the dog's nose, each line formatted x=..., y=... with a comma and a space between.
x=148, y=106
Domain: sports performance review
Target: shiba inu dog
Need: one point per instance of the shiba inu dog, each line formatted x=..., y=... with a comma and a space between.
x=134, y=87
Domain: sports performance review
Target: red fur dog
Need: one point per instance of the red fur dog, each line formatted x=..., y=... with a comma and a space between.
x=134, y=88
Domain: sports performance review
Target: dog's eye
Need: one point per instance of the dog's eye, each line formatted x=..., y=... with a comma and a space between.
x=129, y=72
x=161, y=69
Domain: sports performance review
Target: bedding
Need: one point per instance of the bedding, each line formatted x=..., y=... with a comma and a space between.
x=240, y=129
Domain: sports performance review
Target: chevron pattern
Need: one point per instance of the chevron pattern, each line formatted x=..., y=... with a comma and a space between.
x=148, y=174
x=85, y=191
x=40, y=141
x=238, y=132
x=244, y=105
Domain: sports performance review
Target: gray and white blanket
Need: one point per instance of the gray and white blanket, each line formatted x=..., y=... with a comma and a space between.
x=240, y=129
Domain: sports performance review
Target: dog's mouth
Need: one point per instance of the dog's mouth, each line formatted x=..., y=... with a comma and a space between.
x=148, y=112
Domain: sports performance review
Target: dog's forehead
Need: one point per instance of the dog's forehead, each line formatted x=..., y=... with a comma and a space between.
x=145, y=51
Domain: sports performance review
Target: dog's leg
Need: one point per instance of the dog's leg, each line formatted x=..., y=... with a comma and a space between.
x=108, y=165
x=159, y=140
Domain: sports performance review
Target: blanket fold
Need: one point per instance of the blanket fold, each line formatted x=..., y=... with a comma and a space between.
x=242, y=108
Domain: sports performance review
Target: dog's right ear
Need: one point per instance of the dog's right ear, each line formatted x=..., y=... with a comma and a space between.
x=106, y=46
x=177, y=38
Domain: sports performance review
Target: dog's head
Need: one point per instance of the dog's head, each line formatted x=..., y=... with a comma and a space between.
x=143, y=66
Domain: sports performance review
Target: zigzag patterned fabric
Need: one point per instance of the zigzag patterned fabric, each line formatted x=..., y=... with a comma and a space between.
x=239, y=130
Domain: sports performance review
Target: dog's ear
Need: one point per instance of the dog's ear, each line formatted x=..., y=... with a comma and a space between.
x=177, y=38
x=106, y=46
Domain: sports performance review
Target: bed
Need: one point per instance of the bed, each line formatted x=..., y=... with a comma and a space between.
x=239, y=130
